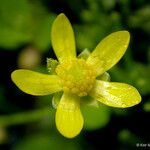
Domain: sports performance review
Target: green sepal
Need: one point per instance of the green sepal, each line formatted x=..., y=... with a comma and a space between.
x=89, y=101
x=56, y=99
x=84, y=54
x=104, y=77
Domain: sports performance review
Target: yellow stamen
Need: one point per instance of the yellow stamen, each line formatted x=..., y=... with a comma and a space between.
x=77, y=76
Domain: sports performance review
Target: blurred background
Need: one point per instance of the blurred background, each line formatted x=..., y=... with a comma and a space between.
x=27, y=122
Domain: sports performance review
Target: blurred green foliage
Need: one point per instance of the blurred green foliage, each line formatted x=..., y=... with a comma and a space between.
x=95, y=117
x=13, y=26
x=24, y=23
x=45, y=142
x=27, y=23
x=128, y=139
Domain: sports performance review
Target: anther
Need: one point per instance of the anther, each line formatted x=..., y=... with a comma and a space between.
x=77, y=77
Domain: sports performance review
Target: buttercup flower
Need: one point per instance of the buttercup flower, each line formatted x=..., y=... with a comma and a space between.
x=79, y=76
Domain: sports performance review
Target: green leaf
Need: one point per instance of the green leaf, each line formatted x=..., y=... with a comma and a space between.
x=95, y=117
x=46, y=141
x=14, y=16
x=41, y=32
x=40, y=25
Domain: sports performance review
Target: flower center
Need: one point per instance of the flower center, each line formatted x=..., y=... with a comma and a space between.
x=77, y=76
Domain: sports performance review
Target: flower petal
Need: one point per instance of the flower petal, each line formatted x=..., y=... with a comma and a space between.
x=115, y=94
x=63, y=38
x=69, y=120
x=109, y=51
x=36, y=83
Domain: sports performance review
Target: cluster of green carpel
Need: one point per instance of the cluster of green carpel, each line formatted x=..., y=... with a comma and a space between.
x=77, y=77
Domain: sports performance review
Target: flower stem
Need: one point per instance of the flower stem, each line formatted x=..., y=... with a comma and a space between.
x=23, y=117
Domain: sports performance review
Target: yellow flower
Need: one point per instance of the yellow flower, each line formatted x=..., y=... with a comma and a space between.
x=78, y=77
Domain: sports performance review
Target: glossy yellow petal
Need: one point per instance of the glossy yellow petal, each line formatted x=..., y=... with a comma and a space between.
x=62, y=36
x=36, y=83
x=109, y=51
x=69, y=120
x=115, y=94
